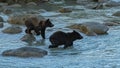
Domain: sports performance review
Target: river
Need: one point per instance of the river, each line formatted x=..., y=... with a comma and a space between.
x=102, y=51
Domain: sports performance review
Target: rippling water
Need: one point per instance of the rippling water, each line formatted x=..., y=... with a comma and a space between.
x=90, y=52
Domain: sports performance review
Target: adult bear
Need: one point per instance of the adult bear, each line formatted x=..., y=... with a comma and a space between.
x=61, y=38
x=38, y=26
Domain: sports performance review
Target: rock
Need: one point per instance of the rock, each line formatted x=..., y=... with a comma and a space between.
x=19, y=19
x=23, y=1
x=25, y=52
x=42, y=10
x=1, y=24
x=86, y=2
x=1, y=19
x=91, y=28
x=112, y=23
x=7, y=11
x=12, y=30
x=15, y=6
x=65, y=10
x=82, y=2
x=100, y=1
x=112, y=4
x=3, y=4
x=31, y=4
x=117, y=13
x=28, y=38
x=95, y=6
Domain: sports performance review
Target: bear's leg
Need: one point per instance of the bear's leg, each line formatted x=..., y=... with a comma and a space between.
x=37, y=32
x=68, y=44
x=43, y=33
x=28, y=31
x=71, y=44
x=53, y=46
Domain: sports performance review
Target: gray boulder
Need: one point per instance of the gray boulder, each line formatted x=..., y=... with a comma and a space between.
x=12, y=30
x=7, y=11
x=65, y=10
x=28, y=38
x=25, y=52
x=91, y=28
x=116, y=13
x=112, y=4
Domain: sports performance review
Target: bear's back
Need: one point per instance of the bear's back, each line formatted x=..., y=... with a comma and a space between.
x=58, y=34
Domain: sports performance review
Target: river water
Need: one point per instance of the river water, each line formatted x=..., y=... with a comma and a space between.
x=101, y=51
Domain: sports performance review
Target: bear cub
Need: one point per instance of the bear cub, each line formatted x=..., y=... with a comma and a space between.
x=38, y=28
x=61, y=38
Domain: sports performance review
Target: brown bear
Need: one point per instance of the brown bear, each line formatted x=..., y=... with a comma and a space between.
x=61, y=38
x=39, y=27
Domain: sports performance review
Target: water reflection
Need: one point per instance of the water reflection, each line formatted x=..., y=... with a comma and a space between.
x=61, y=51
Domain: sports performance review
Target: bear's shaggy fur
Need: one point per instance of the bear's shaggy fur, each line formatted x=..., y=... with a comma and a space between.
x=39, y=27
x=61, y=38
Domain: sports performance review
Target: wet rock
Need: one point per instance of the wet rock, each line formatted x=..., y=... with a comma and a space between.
x=98, y=1
x=57, y=2
x=12, y=30
x=1, y=19
x=3, y=4
x=31, y=4
x=1, y=24
x=25, y=52
x=82, y=1
x=19, y=19
x=42, y=10
x=28, y=38
x=112, y=23
x=15, y=6
x=7, y=11
x=112, y=4
x=91, y=28
x=95, y=6
x=65, y=10
x=117, y=13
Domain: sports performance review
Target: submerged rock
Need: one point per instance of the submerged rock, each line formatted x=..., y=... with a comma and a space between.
x=1, y=19
x=112, y=4
x=15, y=6
x=95, y=6
x=65, y=10
x=7, y=11
x=12, y=30
x=28, y=38
x=25, y=52
x=91, y=28
x=22, y=1
x=1, y=24
x=116, y=13
x=31, y=4
x=112, y=23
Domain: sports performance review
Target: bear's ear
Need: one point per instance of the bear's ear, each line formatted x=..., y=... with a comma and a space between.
x=47, y=20
x=74, y=31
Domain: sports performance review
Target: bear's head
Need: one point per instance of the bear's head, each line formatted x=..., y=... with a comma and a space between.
x=48, y=23
x=76, y=35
